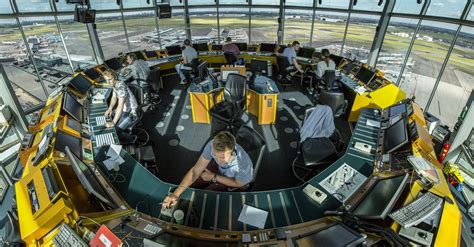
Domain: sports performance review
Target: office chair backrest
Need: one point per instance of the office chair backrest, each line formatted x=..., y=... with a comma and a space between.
x=230, y=58
x=282, y=63
x=138, y=92
x=235, y=87
x=194, y=65
x=335, y=100
x=329, y=78
x=254, y=144
x=154, y=78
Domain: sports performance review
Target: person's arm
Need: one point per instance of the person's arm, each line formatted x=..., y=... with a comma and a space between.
x=118, y=111
x=185, y=61
x=188, y=179
x=231, y=182
x=297, y=66
x=319, y=70
x=113, y=101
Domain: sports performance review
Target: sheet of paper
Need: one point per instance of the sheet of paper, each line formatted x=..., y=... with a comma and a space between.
x=114, y=157
x=360, y=90
x=253, y=216
x=373, y=123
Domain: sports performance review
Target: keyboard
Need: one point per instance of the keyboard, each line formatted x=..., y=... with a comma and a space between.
x=152, y=229
x=67, y=237
x=418, y=210
x=100, y=121
x=104, y=139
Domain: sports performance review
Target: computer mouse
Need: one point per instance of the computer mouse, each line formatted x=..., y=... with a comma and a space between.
x=317, y=193
x=422, y=234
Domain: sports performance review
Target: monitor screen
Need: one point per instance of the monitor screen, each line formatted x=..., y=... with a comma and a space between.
x=72, y=107
x=381, y=197
x=74, y=124
x=266, y=47
x=337, y=59
x=216, y=47
x=349, y=67
x=398, y=109
x=80, y=83
x=173, y=50
x=139, y=54
x=92, y=74
x=395, y=136
x=305, y=52
x=201, y=47
x=365, y=75
x=88, y=179
x=64, y=140
x=333, y=235
x=260, y=66
x=242, y=46
x=151, y=54
x=113, y=63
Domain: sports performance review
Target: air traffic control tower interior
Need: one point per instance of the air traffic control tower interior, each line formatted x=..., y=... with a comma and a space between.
x=236, y=123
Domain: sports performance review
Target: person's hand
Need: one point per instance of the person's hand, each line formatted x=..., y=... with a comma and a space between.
x=109, y=125
x=108, y=113
x=300, y=70
x=207, y=175
x=169, y=201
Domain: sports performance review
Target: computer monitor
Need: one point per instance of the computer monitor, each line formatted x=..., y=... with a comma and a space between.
x=242, y=46
x=381, y=197
x=202, y=70
x=333, y=235
x=88, y=179
x=365, y=75
x=139, y=54
x=80, y=83
x=396, y=110
x=151, y=54
x=259, y=66
x=306, y=52
x=64, y=140
x=395, y=136
x=267, y=47
x=72, y=107
x=173, y=50
x=92, y=73
x=113, y=63
x=73, y=124
x=201, y=47
x=337, y=59
x=216, y=47
x=349, y=67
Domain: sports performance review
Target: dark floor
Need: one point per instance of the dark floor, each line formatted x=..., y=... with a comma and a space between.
x=178, y=141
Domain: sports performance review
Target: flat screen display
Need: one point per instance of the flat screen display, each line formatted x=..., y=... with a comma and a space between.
x=203, y=47
x=92, y=74
x=395, y=136
x=396, y=110
x=64, y=140
x=365, y=75
x=113, y=63
x=80, y=83
x=72, y=107
x=267, y=47
x=216, y=47
x=305, y=52
x=242, y=46
x=173, y=50
x=337, y=59
x=151, y=54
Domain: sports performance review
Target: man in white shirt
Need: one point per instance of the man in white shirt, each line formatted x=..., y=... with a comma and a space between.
x=189, y=53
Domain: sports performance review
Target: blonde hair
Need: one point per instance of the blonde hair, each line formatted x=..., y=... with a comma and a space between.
x=223, y=141
x=109, y=73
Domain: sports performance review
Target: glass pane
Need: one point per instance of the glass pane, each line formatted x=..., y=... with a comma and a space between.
x=235, y=22
x=426, y=59
x=201, y=2
x=457, y=81
x=360, y=36
x=63, y=6
x=105, y=4
x=32, y=5
x=18, y=66
x=370, y=5
x=203, y=25
x=172, y=30
x=221, y=2
x=451, y=8
x=173, y=3
x=141, y=28
x=264, y=25
x=395, y=45
x=407, y=7
x=298, y=26
x=471, y=14
x=5, y=8
x=337, y=4
x=137, y=3
x=266, y=2
x=111, y=34
x=329, y=30
x=77, y=41
x=306, y=3
x=3, y=186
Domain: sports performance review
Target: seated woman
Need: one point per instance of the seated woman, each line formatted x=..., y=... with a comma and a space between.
x=222, y=165
x=326, y=63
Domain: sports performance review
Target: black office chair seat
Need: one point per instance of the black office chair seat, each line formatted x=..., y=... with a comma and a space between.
x=224, y=111
x=326, y=152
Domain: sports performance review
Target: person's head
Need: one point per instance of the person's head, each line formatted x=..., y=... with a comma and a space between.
x=325, y=54
x=296, y=45
x=223, y=147
x=132, y=57
x=187, y=42
x=110, y=76
x=228, y=40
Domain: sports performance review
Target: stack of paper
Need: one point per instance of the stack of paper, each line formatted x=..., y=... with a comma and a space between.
x=253, y=216
x=114, y=160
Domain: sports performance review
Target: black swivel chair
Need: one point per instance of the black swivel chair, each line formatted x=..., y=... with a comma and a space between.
x=254, y=144
x=284, y=69
x=232, y=107
x=328, y=80
x=191, y=70
x=230, y=58
x=335, y=100
x=316, y=153
x=11, y=231
x=142, y=135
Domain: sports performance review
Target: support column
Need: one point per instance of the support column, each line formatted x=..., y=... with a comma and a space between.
x=380, y=32
x=96, y=47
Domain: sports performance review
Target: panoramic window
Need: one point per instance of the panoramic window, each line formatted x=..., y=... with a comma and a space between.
x=172, y=30
x=360, y=36
x=32, y=5
x=369, y=5
x=267, y=2
x=395, y=45
x=203, y=25
x=264, y=25
x=426, y=58
x=141, y=29
x=457, y=81
x=407, y=7
x=305, y=3
x=234, y=22
x=329, y=30
x=201, y=2
x=63, y=6
x=104, y=4
x=298, y=26
x=443, y=8
x=137, y=3
x=111, y=34
x=337, y=4
x=221, y=2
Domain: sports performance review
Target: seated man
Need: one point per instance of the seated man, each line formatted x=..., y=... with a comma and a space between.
x=231, y=48
x=189, y=53
x=125, y=113
x=139, y=70
x=223, y=164
x=290, y=53
x=326, y=63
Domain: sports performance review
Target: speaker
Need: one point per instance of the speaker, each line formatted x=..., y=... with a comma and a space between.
x=84, y=15
x=164, y=11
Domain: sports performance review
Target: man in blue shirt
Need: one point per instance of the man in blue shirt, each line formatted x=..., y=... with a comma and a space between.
x=223, y=164
x=290, y=53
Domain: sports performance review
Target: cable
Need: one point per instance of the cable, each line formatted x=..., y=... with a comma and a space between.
x=93, y=221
